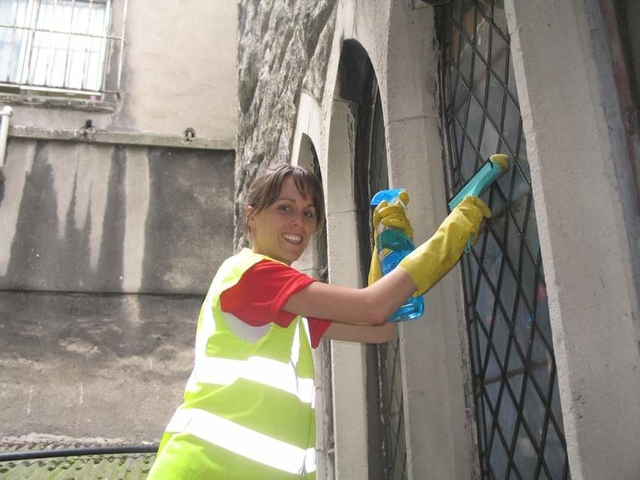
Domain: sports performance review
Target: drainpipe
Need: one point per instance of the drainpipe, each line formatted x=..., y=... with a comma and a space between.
x=4, y=134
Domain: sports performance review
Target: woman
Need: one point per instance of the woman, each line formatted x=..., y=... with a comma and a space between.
x=248, y=410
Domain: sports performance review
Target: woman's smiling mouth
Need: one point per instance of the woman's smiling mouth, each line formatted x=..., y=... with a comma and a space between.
x=292, y=238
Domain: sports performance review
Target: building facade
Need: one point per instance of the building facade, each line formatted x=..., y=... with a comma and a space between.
x=526, y=362
x=116, y=208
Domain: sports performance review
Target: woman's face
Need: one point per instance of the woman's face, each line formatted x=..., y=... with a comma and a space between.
x=282, y=230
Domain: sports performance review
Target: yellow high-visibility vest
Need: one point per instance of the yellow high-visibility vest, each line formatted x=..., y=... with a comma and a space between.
x=248, y=410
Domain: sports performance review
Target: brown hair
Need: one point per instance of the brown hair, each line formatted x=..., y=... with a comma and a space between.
x=265, y=190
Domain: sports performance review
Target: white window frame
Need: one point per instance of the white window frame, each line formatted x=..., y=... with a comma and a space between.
x=59, y=46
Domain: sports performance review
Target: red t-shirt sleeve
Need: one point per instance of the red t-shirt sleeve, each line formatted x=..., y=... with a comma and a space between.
x=257, y=299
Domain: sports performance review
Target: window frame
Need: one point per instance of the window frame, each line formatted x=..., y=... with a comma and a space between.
x=88, y=77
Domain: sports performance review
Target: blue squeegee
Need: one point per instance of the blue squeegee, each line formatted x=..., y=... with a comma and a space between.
x=489, y=173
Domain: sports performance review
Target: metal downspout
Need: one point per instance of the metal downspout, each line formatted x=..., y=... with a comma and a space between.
x=6, y=114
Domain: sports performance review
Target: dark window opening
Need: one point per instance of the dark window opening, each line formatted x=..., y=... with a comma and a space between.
x=386, y=441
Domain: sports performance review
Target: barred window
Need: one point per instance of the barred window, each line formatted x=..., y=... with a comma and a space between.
x=58, y=46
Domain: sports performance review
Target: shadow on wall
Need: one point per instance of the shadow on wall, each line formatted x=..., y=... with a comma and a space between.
x=37, y=251
x=72, y=340
x=177, y=206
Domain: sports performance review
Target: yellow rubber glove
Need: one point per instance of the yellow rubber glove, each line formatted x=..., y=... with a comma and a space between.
x=429, y=262
x=390, y=215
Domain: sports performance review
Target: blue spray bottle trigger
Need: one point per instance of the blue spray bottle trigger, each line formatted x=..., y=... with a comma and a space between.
x=392, y=246
x=388, y=195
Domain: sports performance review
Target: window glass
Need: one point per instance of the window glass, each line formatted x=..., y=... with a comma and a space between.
x=519, y=420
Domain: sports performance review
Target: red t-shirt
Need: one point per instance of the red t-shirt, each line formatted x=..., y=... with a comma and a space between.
x=257, y=299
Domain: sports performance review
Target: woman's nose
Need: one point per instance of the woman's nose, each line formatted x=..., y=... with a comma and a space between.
x=298, y=218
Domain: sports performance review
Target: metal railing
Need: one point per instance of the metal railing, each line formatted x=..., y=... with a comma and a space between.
x=79, y=459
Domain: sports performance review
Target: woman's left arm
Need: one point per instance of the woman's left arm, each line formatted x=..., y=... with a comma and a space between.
x=361, y=334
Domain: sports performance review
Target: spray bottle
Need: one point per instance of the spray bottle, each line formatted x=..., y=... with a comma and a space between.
x=392, y=246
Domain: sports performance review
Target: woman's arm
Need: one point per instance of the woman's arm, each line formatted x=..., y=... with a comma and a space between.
x=356, y=333
x=370, y=306
x=416, y=273
x=357, y=315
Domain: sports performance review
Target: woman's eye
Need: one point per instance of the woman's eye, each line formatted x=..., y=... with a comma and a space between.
x=284, y=208
x=310, y=214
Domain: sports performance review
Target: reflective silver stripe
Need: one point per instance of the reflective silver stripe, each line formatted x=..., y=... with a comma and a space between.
x=243, y=441
x=305, y=323
x=244, y=330
x=224, y=371
x=310, y=461
x=206, y=328
x=295, y=347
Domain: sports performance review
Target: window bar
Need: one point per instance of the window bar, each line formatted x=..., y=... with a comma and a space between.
x=399, y=431
x=526, y=357
x=504, y=374
x=29, y=28
x=547, y=403
x=494, y=411
x=392, y=425
x=469, y=87
x=494, y=406
x=385, y=387
x=33, y=46
x=528, y=378
x=106, y=27
x=13, y=41
x=55, y=30
x=69, y=34
x=124, y=26
x=88, y=36
x=49, y=75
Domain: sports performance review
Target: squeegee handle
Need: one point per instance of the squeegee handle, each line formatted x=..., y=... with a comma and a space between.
x=482, y=180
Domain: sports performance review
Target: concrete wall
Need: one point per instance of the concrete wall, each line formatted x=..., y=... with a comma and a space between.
x=178, y=71
x=111, y=235
x=106, y=254
x=93, y=365
x=86, y=218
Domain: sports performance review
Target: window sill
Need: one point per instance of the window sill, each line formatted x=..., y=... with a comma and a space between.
x=79, y=104
x=84, y=135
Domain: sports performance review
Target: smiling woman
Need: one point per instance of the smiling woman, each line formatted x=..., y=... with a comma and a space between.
x=282, y=229
x=248, y=408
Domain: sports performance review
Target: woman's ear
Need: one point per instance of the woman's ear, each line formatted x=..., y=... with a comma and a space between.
x=249, y=213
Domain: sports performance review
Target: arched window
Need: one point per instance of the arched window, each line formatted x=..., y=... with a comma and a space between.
x=386, y=442
x=519, y=419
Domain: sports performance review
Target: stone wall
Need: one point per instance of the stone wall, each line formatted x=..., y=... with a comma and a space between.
x=283, y=48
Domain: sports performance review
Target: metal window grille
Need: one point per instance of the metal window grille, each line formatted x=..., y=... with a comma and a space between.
x=519, y=419
x=394, y=448
x=388, y=459
x=394, y=451
x=324, y=353
x=60, y=46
